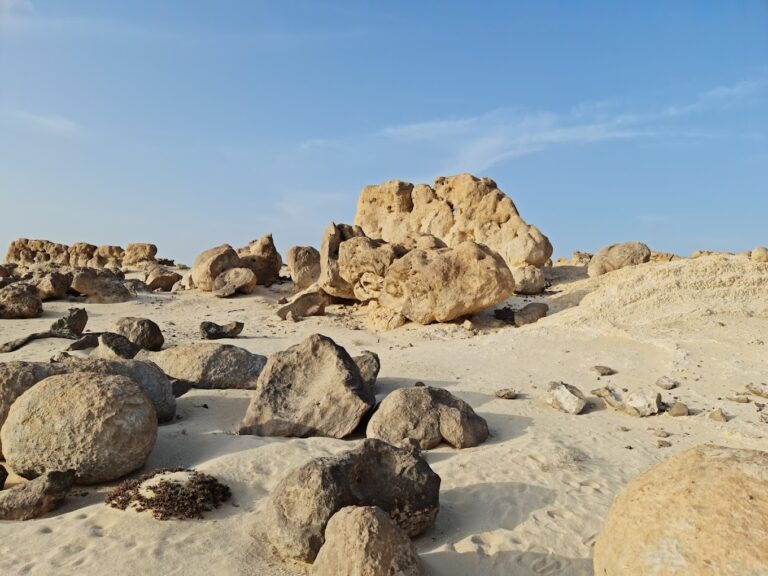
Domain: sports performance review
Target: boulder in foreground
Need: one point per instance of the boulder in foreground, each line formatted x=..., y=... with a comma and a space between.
x=364, y=541
x=428, y=416
x=373, y=474
x=102, y=427
x=310, y=389
x=704, y=511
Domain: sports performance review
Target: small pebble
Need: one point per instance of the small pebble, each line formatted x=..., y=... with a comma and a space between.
x=718, y=415
x=603, y=370
x=666, y=383
x=678, y=409
x=663, y=443
x=507, y=393
x=661, y=433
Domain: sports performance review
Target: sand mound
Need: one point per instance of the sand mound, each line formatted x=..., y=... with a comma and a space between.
x=670, y=291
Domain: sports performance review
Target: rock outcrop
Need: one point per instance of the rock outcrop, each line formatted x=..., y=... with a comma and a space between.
x=103, y=428
x=618, y=256
x=454, y=210
x=704, y=511
x=428, y=416
x=373, y=474
x=310, y=389
x=364, y=541
x=440, y=285
x=139, y=254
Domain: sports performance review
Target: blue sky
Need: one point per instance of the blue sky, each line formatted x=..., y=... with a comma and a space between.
x=192, y=123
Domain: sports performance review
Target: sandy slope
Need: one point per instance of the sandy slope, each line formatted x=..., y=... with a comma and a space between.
x=530, y=501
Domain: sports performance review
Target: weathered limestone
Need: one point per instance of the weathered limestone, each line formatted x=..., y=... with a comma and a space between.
x=456, y=209
x=566, y=398
x=140, y=253
x=618, y=256
x=263, y=259
x=304, y=264
x=330, y=280
x=211, y=263
x=143, y=332
x=704, y=511
x=20, y=300
x=234, y=281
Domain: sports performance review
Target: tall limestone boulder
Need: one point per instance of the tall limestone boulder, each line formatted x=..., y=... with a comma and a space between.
x=455, y=209
x=263, y=259
x=211, y=263
x=440, y=285
x=330, y=280
x=304, y=264
x=704, y=511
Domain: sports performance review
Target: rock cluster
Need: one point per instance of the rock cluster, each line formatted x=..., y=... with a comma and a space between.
x=28, y=252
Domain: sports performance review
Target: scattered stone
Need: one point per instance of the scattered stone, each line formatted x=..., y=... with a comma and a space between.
x=611, y=399
x=642, y=403
x=170, y=494
x=666, y=383
x=663, y=443
x=528, y=280
x=507, y=393
x=364, y=541
x=51, y=285
x=209, y=365
x=603, y=370
x=373, y=474
x=70, y=326
x=162, y=279
x=20, y=301
x=36, y=497
x=310, y=389
x=441, y=285
x=429, y=416
x=566, y=398
x=234, y=281
x=100, y=286
x=141, y=331
x=113, y=346
x=618, y=256
x=311, y=302
x=102, y=427
x=85, y=342
x=213, y=331
x=758, y=389
x=670, y=520
x=304, y=264
x=530, y=313
x=369, y=365
x=211, y=263
x=661, y=433
x=678, y=409
x=717, y=415
x=738, y=399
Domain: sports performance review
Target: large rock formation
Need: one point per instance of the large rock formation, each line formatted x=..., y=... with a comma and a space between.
x=209, y=365
x=456, y=209
x=618, y=256
x=440, y=285
x=310, y=389
x=211, y=263
x=704, y=511
x=139, y=254
x=374, y=474
x=364, y=541
x=102, y=427
x=27, y=252
x=428, y=416
x=363, y=262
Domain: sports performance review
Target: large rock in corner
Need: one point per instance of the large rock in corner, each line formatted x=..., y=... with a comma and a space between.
x=310, y=389
x=704, y=511
x=440, y=285
x=103, y=427
x=373, y=474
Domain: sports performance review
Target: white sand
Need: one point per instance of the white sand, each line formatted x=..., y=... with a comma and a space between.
x=529, y=501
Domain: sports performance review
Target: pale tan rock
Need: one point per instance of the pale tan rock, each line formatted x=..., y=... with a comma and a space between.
x=566, y=398
x=24, y=251
x=618, y=256
x=310, y=302
x=760, y=254
x=262, y=257
x=80, y=253
x=143, y=332
x=457, y=209
x=234, y=281
x=100, y=286
x=210, y=264
x=440, y=285
x=364, y=541
x=139, y=254
x=161, y=278
x=103, y=427
x=363, y=262
x=304, y=264
x=704, y=511
x=381, y=319
x=528, y=280
x=429, y=416
x=20, y=300
x=106, y=257
x=330, y=280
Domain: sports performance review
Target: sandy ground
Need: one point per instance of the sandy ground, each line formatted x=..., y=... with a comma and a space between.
x=529, y=501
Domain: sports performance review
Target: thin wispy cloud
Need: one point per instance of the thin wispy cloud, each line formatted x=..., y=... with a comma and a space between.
x=48, y=123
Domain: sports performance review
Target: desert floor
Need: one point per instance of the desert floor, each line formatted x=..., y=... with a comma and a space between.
x=529, y=501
